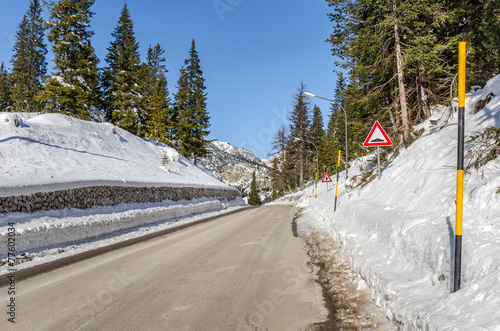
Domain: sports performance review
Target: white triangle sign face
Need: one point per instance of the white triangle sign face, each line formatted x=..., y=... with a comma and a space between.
x=326, y=178
x=377, y=137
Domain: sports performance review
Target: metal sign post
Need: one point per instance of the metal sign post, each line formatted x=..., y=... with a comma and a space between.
x=376, y=138
x=337, y=185
x=378, y=161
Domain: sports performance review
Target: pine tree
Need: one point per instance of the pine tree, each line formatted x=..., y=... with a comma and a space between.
x=191, y=109
x=5, y=101
x=299, y=150
x=316, y=132
x=73, y=89
x=122, y=78
x=489, y=28
x=329, y=146
x=316, y=136
x=254, y=199
x=28, y=62
x=159, y=116
x=476, y=22
x=199, y=104
x=278, y=172
x=184, y=114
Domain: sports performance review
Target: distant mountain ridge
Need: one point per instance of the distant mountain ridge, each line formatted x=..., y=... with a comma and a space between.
x=234, y=166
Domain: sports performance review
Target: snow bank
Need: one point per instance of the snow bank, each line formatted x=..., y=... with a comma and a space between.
x=54, y=151
x=44, y=229
x=397, y=233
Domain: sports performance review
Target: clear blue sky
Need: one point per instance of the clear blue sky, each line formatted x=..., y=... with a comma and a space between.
x=253, y=53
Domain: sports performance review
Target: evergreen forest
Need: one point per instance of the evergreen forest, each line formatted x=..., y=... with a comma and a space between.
x=132, y=94
x=395, y=60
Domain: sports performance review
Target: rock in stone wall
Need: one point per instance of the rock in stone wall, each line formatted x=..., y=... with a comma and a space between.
x=88, y=197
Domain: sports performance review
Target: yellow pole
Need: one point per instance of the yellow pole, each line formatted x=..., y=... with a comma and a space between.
x=462, y=48
x=461, y=74
x=337, y=184
x=316, y=186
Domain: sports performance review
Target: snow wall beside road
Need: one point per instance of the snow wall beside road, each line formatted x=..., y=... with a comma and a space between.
x=48, y=228
x=88, y=197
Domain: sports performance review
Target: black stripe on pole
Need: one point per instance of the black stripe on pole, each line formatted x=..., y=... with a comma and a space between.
x=458, y=263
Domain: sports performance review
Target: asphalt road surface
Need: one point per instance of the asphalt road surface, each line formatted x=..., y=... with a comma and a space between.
x=244, y=271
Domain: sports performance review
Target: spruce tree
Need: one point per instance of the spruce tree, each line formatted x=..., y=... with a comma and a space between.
x=159, y=113
x=489, y=28
x=278, y=172
x=299, y=150
x=183, y=112
x=5, y=101
x=199, y=103
x=330, y=146
x=122, y=78
x=254, y=199
x=336, y=133
x=316, y=136
x=191, y=109
x=476, y=22
x=335, y=126
x=73, y=89
x=28, y=62
x=316, y=131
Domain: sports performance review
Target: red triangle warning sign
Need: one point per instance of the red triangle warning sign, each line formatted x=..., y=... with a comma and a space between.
x=377, y=137
x=326, y=178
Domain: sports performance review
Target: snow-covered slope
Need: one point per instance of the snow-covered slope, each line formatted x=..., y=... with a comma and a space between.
x=53, y=151
x=235, y=165
x=398, y=233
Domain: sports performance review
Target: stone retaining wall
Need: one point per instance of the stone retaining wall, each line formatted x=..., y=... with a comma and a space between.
x=89, y=197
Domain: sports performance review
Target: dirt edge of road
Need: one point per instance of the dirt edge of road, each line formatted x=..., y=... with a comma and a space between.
x=349, y=307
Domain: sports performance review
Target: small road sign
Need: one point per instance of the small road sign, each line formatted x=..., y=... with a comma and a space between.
x=326, y=178
x=377, y=137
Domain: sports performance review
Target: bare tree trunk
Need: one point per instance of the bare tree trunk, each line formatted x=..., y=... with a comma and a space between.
x=402, y=93
x=422, y=95
x=398, y=118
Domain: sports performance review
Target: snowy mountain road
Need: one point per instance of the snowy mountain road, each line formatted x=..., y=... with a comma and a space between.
x=244, y=271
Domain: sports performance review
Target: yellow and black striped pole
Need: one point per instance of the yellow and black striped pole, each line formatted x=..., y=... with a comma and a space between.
x=337, y=185
x=460, y=164
x=316, y=186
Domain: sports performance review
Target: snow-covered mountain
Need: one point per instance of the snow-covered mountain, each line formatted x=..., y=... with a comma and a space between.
x=234, y=166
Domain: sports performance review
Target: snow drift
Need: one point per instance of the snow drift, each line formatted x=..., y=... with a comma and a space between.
x=53, y=151
x=397, y=233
